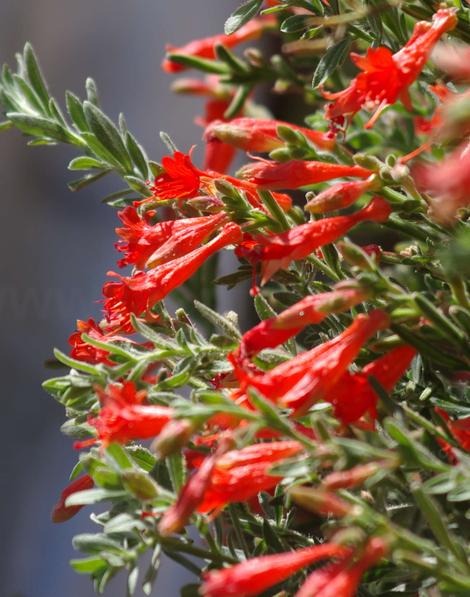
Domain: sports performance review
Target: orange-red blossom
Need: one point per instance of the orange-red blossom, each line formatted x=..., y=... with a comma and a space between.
x=205, y=48
x=310, y=310
x=277, y=251
x=183, y=180
x=124, y=416
x=261, y=135
x=139, y=293
x=311, y=375
x=254, y=576
x=61, y=512
x=386, y=77
x=271, y=175
x=222, y=478
x=148, y=245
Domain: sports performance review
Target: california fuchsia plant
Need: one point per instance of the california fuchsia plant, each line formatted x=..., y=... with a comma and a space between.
x=325, y=451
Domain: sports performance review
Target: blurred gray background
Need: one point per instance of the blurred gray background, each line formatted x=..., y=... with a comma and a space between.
x=57, y=246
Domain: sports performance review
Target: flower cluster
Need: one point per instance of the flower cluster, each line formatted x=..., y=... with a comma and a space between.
x=332, y=437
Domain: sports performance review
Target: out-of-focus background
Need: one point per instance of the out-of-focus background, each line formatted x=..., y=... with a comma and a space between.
x=57, y=246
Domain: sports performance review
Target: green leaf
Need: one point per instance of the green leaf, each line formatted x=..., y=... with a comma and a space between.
x=34, y=74
x=89, y=565
x=331, y=60
x=137, y=185
x=219, y=321
x=75, y=110
x=142, y=457
x=92, y=92
x=85, y=163
x=84, y=181
x=119, y=456
x=5, y=125
x=294, y=23
x=37, y=126
x=137, y=154
x=78, y=365
x=152, y=570
x=107, y=134
x=242, y=15
x=202, y=64
x=177, y=471
x=93, y=496
x=27, y=94
x=263, y=308
x=238, y=101
x=94, y=543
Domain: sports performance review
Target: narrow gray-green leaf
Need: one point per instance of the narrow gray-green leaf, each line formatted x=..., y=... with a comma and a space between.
x=242, y=15
x=330, y=61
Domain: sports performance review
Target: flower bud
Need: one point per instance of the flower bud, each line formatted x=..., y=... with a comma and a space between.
x=173, y=437
x=139, y=484
x=355, y=255
x=320, y=501
x=341, y=195
x=368, y=161
x=265, y=135
x=352, y=477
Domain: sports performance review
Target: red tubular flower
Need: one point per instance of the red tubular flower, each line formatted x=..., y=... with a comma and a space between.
x=311, y=375
x=182, y=180
x=61, y=512
x=257, y=134
x=385, y=77
x=240, y=475
x=205, y=48
x=139, y=293
x=144, y=244
x=124, y=417
x=448, y=184
x=258, y=574
x=342, y=578
x=277, y=251
x=267, y=174
x=310, y=310
x=218, y=155
x=328, y=369
x=353, y=396
x=191, y=496
x=82, y=351
x=340, y=195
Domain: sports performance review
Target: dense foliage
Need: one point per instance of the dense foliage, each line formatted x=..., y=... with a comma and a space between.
x=325, y=451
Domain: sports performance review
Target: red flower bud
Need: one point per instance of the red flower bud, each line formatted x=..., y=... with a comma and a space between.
x=257, y=134
x=205, y=48
x=258, y=574
x=61, y=512
x=340, y=195
x=342, y=579
x=309, y=376
x=311, y=309
x=267, y=174
x=277, y=251
x=321, y=502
